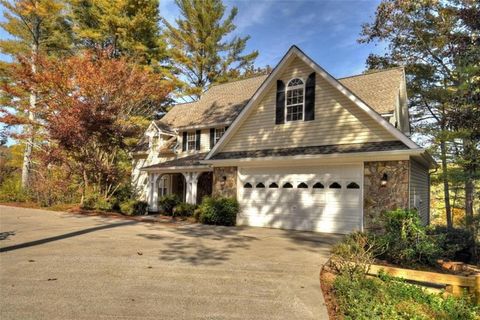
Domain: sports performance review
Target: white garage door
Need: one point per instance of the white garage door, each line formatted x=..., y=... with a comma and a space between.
x=322, y=199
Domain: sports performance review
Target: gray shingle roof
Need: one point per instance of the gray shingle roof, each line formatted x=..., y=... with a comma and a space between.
x=378, y=89
x=188, y=161
x=315, y=150
x=222, y=103
x=219, y=104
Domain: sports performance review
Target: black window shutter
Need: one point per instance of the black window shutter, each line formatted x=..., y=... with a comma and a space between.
x=197, y=134
x=184, y=141
x=280, y=107
x=212, y=137
x=310, y=98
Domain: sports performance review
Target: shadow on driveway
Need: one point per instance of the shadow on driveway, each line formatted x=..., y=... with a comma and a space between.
x=65, y=236
x=201, y=244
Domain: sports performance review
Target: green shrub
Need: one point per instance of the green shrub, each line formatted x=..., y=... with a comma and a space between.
x=133, y=207
x=405, y=241
x=354, y=254
x=168, y=203
x=97, y=202
x=184, y=210
x=391, y=298
x=456, y=243
x=11, y=190
x=218, y=211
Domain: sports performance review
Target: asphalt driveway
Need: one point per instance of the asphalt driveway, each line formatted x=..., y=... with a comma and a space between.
x=65, y=266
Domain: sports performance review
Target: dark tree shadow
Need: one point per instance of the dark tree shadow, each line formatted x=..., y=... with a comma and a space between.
x=65, y=236
x=189, y=248
x=6, y=234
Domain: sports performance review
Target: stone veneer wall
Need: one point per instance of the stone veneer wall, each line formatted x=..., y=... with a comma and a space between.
x=228, y=175
x=377, y=198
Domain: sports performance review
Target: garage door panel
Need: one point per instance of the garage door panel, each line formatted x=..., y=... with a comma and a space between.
x=329, y=207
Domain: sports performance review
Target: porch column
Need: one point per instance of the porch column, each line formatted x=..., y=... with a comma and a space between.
x=153, y=202
x=191, y=180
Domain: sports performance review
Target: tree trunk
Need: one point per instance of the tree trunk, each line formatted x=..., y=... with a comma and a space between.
x=446, y=188
x=30, y=130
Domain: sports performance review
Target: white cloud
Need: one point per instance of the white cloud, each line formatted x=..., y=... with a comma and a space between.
x=250, y=14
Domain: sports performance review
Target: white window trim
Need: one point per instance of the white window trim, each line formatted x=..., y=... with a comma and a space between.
x=303, y=102
x=216, y=138
x=190, y=134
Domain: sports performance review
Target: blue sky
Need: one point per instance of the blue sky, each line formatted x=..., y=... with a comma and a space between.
x=326, y=30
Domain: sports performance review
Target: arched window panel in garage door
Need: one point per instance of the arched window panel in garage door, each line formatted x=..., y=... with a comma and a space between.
x=302, y=185
x=335, y=185
x=353, y=185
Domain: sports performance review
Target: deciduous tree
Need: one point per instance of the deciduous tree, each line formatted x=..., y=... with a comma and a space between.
x=90, y=110
x=37, y=27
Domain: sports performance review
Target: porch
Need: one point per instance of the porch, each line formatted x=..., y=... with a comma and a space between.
x=189, y=186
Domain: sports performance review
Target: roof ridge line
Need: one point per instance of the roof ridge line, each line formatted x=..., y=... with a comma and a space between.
x=373, y=72
x=237, y=80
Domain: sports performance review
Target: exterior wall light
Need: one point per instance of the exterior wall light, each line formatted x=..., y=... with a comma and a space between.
x=384, y=180
x=222, y=182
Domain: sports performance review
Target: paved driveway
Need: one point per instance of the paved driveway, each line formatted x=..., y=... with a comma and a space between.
x=65, y=266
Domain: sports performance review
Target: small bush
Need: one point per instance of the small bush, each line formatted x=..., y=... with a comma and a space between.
x=456, y=243
x=354, y=255
x=97, y=202
x=405, y=240
x=168, y=203
x=184, y=210
x=133, y=207
x=218, y=211
x=11, y=190
x=391, y=298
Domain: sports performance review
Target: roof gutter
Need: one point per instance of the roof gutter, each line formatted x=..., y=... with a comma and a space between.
x=335, y=157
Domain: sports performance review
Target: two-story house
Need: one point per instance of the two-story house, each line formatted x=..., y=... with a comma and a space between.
x=298, y=148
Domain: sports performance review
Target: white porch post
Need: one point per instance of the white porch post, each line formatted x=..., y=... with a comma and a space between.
x=191, y=180
x=153, y=203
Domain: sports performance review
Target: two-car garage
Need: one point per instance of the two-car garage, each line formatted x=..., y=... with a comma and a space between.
x=324, y=198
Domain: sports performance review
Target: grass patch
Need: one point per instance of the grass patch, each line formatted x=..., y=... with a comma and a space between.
x=390, y=298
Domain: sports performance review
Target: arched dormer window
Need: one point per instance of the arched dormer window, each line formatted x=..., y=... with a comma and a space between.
x=294, y=100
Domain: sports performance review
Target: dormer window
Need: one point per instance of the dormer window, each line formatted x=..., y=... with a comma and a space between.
x=154, y=142
x=191, y=140
x=294, y=100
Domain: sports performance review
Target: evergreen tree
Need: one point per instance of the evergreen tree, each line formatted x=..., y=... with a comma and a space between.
x=198, y=46
x=431, y=38
x=38, y=27
x=130, y=27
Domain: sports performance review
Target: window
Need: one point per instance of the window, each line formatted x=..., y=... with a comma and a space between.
x=294, y=101
x=273, y=185
x=247, y=185
x=163, y=186
x=353, y=185
x=154, y=142
x=191, y=140
x=302, y=185
x=260, y=185
x=287, y=185
x=335, y=185
x=318, y=185
x=219, y=133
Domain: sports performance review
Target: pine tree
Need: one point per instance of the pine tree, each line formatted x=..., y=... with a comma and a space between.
x=130, y=27
x=198, y=46
x=38, y=27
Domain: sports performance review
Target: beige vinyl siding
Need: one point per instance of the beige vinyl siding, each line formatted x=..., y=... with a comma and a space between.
x=337, y=120
x=420, y=190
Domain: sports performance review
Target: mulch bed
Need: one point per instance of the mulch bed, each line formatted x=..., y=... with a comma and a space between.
x=326, y=282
